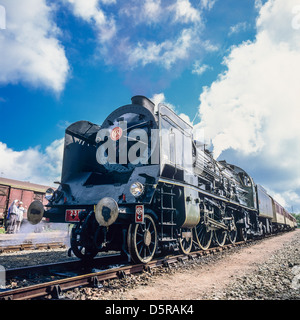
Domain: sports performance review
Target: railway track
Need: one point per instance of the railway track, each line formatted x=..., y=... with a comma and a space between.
x=62, y=268
x=31, y=246
x=95, y=278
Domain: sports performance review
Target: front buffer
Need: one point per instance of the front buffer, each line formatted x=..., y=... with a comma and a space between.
x=100, y=230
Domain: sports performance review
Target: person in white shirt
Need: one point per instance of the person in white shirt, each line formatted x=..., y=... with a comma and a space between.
x=21, y=211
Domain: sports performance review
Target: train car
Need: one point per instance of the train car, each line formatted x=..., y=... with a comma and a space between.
x=278, y=216
x=293, y=222
x=141, y=184
x=296, y=224
x=289, y=220
x=24, y=191
x=265, y=207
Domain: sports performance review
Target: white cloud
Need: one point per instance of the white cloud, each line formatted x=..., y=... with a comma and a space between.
x=149, y=11
x=185, y=12
x=2, y=18
x=210, y=47
x=109, y=1
x=34, y=165
x=29, y=50
x=241, y=26
x=138, y=33
x=160, y=98
x=258, y=4
x=152, y=10
x=253, y=107
x=91, y=12
x=165, y=53
x=208, y=4
x=199, y=68
x=288, y=199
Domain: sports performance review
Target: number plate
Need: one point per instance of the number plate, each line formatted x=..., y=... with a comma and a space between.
x=72, y=215
x=139, y=214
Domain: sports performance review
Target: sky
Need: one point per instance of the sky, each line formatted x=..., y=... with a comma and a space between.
x=232, y=67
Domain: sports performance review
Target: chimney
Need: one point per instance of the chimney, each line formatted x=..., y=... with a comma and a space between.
x=143, y=101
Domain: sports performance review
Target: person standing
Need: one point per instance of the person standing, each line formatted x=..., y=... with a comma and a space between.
x=21, y=211
x=13, y=214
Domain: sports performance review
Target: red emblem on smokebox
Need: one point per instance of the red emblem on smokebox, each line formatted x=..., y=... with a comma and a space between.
x=116, y=133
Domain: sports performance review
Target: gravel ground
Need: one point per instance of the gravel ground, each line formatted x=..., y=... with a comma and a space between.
x=11, y=260
x=278, y=278
x=117, y=289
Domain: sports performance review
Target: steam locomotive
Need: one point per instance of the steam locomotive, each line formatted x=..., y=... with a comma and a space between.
x=141, y=184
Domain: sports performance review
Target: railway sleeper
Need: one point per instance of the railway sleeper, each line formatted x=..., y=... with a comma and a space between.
x=56, y=292
x=121, y=274
x=95, y=283
x=148, y=269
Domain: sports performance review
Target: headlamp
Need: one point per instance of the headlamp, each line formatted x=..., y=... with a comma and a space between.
x=136, y=189
x=49, y=194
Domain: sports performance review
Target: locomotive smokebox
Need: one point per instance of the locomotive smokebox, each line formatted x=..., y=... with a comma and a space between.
x=35, y=212
x=106, y=212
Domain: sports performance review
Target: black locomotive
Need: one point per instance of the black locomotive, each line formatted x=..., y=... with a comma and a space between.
x=141, y=184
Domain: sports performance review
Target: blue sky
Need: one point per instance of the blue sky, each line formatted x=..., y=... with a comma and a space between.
x=94, y=86
x=68, y=60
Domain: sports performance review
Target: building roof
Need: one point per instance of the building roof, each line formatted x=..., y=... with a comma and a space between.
x=24, y=185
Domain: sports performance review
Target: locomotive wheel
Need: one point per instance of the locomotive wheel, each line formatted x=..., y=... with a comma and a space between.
x=80, y=251
x=186, y=243
x=220, y=237
x=202, y=235
x=242, y=234
x=232, y=233
x=142, y=240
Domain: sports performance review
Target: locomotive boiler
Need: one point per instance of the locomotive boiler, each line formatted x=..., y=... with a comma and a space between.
x=141, y=184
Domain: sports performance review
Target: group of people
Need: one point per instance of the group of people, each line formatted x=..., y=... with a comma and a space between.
x=15, y=216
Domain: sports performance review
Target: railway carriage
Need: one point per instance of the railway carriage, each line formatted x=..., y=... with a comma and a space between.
x=141, y=184
x=26, y=192
x=289, y=220
x=265, y=209
x=278, y=218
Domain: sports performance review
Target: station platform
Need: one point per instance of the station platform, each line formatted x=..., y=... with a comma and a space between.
x=32, y=237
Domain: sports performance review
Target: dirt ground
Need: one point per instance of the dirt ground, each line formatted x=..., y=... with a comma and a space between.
x=202, y=281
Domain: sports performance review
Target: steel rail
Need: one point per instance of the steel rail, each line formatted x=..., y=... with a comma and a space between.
x=54, y=288
x=31, y=246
